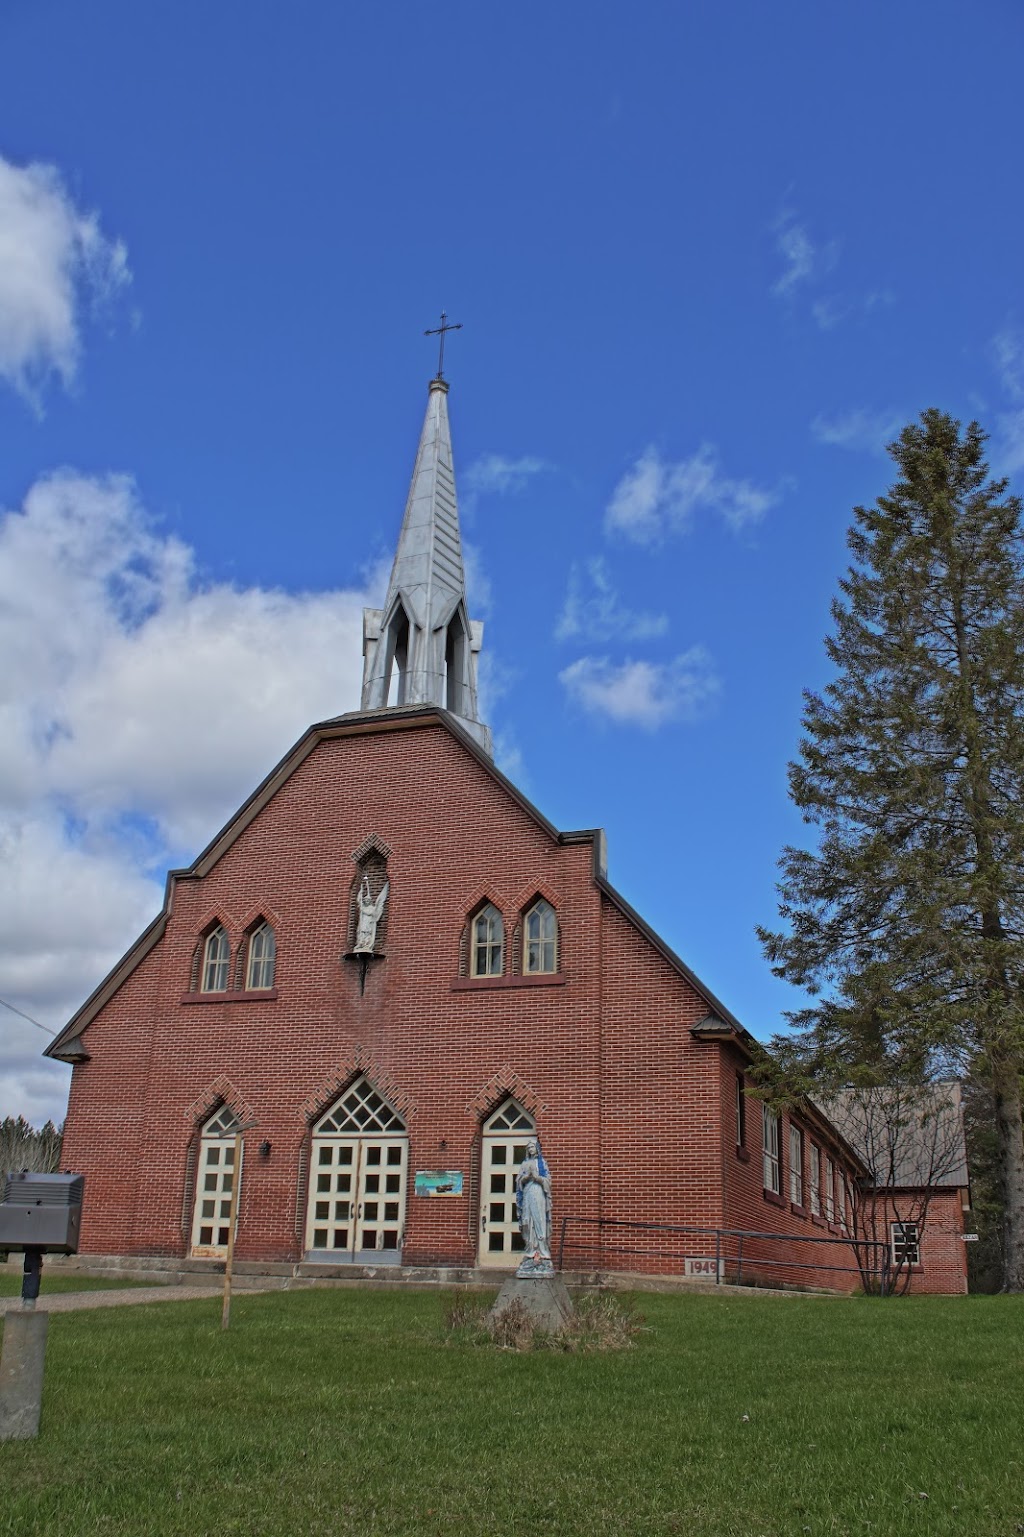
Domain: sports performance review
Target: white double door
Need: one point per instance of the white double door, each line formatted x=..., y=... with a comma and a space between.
x=501, y=1245
x=357, y=1189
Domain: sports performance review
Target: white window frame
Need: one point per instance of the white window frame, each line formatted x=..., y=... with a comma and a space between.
x=741, y=1111
x=262, y=960
x=830, y=1192
x=544, y=942
x=815, y=1180
x=904, y=1249
x=796, y=1165
x=216, y=961
x=772, y=1161
x=487, y=937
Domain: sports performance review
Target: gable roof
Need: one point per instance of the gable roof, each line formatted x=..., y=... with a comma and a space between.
x=67, y=1045
x=908, y=1138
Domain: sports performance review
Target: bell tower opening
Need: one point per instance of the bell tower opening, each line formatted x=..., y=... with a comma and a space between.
x=398, y=658
x=456, y=665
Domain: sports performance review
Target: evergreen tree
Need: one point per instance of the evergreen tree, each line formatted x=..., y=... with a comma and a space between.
x=906, y=922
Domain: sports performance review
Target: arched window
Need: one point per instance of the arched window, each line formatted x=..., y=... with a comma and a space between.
x=262, y=957
x=540, y=939
x=216, y=954
x=211, y=1215
x=487, y=943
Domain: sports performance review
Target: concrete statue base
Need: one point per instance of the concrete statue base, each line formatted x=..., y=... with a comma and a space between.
x=21, y=1375
x=546, y=1299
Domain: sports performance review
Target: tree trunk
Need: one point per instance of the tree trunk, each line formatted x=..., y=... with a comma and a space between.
x=1010, y=1137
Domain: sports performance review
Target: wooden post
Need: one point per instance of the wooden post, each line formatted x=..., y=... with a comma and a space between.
x=225, y=1317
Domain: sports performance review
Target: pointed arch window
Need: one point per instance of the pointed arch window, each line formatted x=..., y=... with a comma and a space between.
x=540, y=939
x=487, y=943
x=262, y=960
x=215, y=1180
x=216, y=958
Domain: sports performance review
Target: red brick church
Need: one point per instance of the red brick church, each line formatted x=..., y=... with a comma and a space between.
x=389, y=970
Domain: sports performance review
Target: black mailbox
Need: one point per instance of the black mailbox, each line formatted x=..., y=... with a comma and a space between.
x=41, y=1212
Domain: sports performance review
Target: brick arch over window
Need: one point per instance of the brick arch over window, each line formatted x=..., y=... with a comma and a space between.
x=506, y=1084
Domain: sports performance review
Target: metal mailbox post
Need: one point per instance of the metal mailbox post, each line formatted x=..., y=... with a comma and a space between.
x=39, y=1214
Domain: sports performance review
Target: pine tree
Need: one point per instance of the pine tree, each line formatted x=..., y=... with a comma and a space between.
x=906, y=922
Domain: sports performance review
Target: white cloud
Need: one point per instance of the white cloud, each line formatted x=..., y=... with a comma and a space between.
x=1007, y=350
x=656, y=497
x=1008, y=355
x=798, y=252
x=644, y=694
x=599, y=614
x=1008, y=457
x=137, y=710
x=858, y=429
x=497, y=474
x=54, y=260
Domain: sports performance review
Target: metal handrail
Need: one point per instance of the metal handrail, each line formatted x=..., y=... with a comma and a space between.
x=876, y=1253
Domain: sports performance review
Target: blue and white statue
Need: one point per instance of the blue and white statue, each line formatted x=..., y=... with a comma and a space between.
x=533, y=1208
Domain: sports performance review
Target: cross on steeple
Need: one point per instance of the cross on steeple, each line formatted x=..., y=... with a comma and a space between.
x=440, y=332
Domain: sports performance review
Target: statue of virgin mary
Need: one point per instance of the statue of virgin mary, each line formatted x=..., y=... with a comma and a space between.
x=533, y=1208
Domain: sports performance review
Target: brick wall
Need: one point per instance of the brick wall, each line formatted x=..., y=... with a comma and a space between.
x=637, y=1117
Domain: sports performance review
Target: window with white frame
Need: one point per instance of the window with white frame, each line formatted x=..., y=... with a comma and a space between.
x=741, y=1112
x=540, y=939
x=796, y=1165
x=262, y=957
x=772, y=1169
x=830, y=1199
x=216, y=955
x=906, y=1243
x=487, y=943
x=815, y=1173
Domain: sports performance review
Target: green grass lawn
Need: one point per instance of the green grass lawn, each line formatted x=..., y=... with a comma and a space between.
x=56, y=1281
x=345, y=1412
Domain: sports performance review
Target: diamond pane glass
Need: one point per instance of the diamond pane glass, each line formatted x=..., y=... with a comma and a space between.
x=361, y=1109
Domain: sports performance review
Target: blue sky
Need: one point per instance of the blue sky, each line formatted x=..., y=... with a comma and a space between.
x=707, y=257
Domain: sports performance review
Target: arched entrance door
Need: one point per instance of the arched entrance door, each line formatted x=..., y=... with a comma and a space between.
x=357, y=1180
x=505, y=1135
x=214, y=1181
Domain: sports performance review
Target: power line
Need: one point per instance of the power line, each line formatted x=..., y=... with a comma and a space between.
x=31, y=1021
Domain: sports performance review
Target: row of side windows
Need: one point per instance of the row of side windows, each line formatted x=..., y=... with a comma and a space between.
x=826, y=1184
x=539, y=937
x=260, y=959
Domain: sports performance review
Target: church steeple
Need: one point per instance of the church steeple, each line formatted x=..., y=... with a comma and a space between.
x=422, y=646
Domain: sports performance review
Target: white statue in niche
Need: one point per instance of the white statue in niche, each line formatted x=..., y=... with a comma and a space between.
x=370, y=914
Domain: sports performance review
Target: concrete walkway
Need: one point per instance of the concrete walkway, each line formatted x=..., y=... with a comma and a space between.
x=71, y=1302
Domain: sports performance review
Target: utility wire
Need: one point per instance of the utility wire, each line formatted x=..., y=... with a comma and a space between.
x=31, y=1021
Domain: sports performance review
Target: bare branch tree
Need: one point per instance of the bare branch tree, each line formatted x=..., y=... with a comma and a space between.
x=911, y=1137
